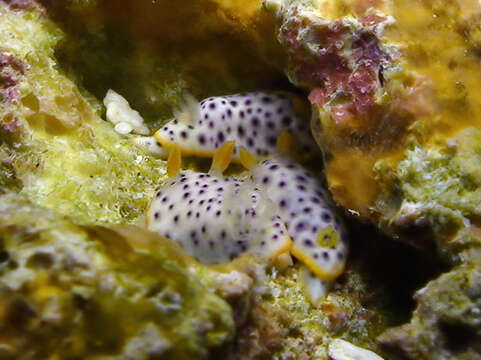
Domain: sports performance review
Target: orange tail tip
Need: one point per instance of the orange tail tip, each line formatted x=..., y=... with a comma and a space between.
x=222, y=157
x=174, y=162
x=247, y=159
x=286, y=143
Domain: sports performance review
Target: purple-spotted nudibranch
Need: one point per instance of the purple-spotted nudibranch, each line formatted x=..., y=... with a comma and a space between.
x=303, y=205
x=215, y=218
x=253, y=120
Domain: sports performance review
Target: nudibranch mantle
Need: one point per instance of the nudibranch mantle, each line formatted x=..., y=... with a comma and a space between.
x=302, y=204
x=253, y=120
x=216, y=219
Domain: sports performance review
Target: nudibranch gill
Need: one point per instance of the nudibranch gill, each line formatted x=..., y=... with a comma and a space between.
x=216, y=219
x=253, y=120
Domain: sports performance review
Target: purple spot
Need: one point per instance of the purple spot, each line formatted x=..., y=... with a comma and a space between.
x=233, y=103
x=326, y=217
x=201, y=139
x=282, y=184
x=286, y=120
x=255, y=122
x=240, y=131
x=308, y=242
x=212, y=106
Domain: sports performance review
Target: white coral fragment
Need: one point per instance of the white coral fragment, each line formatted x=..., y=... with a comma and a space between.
x=343, y=350
x=125, y=119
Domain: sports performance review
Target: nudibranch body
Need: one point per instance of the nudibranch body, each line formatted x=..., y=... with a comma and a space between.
x=303, y=205
x=281, y=208
x=253, y=120
x=215, y=218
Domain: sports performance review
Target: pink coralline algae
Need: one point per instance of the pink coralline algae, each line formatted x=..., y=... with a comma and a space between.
x=336, y=61
x=22, y=4
x=11, y=71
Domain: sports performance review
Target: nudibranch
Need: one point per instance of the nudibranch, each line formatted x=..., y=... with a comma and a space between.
x=253, y=120
x=280, y=209
x=303, y=205
x=215, y=218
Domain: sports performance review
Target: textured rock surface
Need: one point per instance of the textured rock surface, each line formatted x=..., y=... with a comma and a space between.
x=396, y=112
x=70, y=292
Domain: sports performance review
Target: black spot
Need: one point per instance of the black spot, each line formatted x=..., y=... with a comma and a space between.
x=282, y=184
x=201, y=192
x=263, y=243
x=220, y=136
x=280, y=110
x=211, y=244
x=249, y=111
x=176, y=218
x=255, y=122
x=157, y=215
x=189, y=213
x=190, y=127
x=240, y=131
x=315, y=200
x=273, y=167
x=220, y=189
x=212, y=106
x=166, y=128
x=171, y=132
x=250, y=142
x=340, y=255
x=184, y=134
x=229, y=112
x=201, y=139
x=229, y=130
x=286, y=120
x=271, y=140
x=265, y=179
x=259, y=110
x=315, y=256
x=326, y=217
x=241, y=114
x=282, y=203
x=186, y=195
x=308, y=242
x=301, y=178
x=208, y=208
x=201, y=202
x=171, y=206
x=270, y=124
x=300, y=226
x=191, y=201
x=301, y=188
x=185, y=186
x=233, y=103
x=307, y=210
x=203, y=228
x=223, y=234
x=248, y=102
x=164, y=199
x=275, y=237
x=325, y=255
x=218, y=213
x=266, y=99
x=197, y=215
x=211, y=124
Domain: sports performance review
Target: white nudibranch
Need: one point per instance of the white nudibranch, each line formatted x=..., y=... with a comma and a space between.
x=280, y=209
x=215, y=218
x=303, y=206
x=253, y=120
